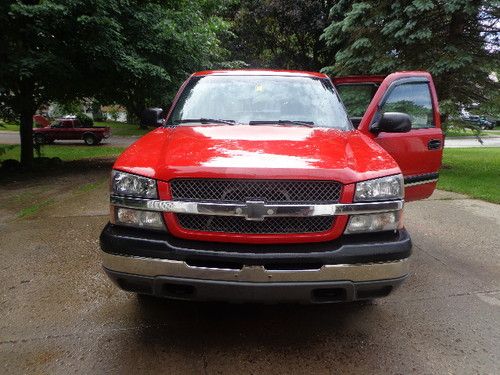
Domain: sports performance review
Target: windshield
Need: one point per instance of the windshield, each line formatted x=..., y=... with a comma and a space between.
x=258, y=100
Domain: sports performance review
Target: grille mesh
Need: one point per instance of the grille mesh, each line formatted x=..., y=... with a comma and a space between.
x=269, y=191
x=270, y=225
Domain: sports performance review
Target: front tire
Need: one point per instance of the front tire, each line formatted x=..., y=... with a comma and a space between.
x=89, y=140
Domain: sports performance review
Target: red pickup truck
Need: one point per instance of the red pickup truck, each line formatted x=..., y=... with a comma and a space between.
x=69, y=129
x=265, y=186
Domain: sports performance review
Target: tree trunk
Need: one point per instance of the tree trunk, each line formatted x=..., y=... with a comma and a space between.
x=26, y=134
x=26, y=109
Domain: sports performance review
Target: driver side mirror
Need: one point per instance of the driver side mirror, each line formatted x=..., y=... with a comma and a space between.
x=392, y=122
x=152, y=117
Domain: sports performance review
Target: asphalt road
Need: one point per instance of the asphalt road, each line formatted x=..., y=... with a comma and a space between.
x=8, y=137
x=61, y=315
x=12, y=138
x=491, y=141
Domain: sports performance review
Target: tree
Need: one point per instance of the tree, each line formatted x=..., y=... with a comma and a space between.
x=33, y=63
x=129, y=52
x=164, y=43
x=280, y=33
x=456, y=41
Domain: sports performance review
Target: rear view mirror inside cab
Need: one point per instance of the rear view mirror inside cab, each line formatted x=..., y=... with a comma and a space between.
x=392, y=122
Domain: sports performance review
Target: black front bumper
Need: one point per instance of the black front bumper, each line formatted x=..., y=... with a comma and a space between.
x=381, y=247
x=138, y=260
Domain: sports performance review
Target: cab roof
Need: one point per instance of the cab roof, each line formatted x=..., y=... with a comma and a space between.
x=260, y=72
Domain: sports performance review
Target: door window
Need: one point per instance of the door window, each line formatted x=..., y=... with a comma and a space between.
x=414, y=99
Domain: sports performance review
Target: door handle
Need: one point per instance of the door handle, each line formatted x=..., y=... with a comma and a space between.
x=434, y=144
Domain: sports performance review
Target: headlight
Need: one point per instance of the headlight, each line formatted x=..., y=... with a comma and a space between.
x=390, y=187
x=138, y=218
x=373, y=222
x=123, y=183
x=128, y=184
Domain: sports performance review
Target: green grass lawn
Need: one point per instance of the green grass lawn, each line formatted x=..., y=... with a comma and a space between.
x=66, y=152
x=9, y=127
x=472, y=171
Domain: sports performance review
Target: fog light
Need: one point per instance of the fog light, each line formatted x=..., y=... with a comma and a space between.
x=138, y=218
x=373, y=222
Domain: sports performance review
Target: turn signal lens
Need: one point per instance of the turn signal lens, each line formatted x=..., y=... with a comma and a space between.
x=138, y=218
x=373, y=222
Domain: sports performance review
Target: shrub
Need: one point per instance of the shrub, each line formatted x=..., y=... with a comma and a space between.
x=85, y=120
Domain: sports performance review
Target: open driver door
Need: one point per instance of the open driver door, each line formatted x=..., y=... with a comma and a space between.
x=418, y=151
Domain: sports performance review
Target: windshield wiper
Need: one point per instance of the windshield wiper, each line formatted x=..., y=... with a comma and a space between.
x=285, y=122
x=205, y=121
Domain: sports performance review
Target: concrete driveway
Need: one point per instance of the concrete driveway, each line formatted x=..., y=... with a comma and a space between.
x=61, y=315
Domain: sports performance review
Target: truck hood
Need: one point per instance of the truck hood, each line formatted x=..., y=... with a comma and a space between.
x=266, y=152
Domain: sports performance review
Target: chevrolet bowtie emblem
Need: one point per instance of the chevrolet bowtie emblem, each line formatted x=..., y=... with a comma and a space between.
x=256, y=210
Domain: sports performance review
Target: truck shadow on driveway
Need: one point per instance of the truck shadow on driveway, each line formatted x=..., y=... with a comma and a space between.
x=280, y=323
x=249, y=338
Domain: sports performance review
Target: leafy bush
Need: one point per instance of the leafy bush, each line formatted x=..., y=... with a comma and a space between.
x=86, y=121
x=5, y=148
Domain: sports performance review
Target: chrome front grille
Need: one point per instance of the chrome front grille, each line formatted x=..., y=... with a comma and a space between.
x=270, y=225
x=269, y=191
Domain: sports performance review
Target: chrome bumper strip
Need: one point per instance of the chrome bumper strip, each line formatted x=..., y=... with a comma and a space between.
x=256, y=210
x=164, y=267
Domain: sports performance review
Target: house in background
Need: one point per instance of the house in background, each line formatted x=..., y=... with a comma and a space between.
x=114, y=113
x=88, y=107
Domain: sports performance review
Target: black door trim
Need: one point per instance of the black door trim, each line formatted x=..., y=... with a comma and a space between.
x=421, y=179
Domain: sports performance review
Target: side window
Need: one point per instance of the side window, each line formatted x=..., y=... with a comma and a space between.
x=356, y=97
x=413, y=99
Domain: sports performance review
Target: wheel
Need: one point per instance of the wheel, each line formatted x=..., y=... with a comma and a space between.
x=89, y=140
x=40, y=139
